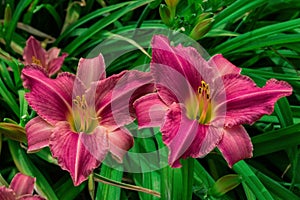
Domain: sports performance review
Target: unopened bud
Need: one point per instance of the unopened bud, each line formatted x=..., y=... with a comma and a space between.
x=13, y=131
x=7, y=15
x=225, y=184
x=165, y=14
x=201, y=28
x=172, y=3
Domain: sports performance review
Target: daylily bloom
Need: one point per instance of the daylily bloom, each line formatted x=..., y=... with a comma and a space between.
x=81, y=117
x=21, y=187
x=200, y=105
x=49, y=60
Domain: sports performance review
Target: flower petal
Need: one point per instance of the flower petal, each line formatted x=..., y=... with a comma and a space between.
x=120, y=141
x=235, y=145
x=91, y=70
x=38, y=134
x=116, y=94
x=50, y=98
x=150, y=110
x=223, y=65
x=246, y=103
x=22, y=184
x=33, y=50
x=7, y=193
x=187, y=138
x=186, y=61
x=78, y=153
x=55, y=64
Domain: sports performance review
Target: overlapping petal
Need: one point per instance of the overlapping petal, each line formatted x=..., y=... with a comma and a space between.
x=7, y=193
x=55, y=64
x=185, y=60
x=22, y=184
x=246, y=103
x=223, y=65
x=49, y=60
x=116, y=94
x=150, y=110
x=120, y=141
x=50, y=98
x=38, y=134
x=187, y=138
x=33, y=50
x=235, y=145
x=78, y=153
x=91, y=70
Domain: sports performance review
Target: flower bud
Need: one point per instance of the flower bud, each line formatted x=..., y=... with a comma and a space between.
x=225, y=184
x=13, y=131
x=201, y=28
x=172, y=3
x=165, y=14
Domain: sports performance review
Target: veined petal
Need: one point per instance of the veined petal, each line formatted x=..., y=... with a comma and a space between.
x=120, y=141
x=223, y=65
x=187, y=138
x=185, y=60
x=235, y=145
x=7, y=193
x=116, y=94
x=50, y=98
x=246, y=103
x=150, y=110
x=38, y=134
x=91, y=70
x=22, y=184
x=52, y=53
x=55, y=64
x=78, y=153
x=34, y=53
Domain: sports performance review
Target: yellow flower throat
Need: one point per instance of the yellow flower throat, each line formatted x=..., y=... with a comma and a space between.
x=199, y=106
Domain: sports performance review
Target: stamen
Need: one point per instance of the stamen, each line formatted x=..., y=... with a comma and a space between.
x=36, y=61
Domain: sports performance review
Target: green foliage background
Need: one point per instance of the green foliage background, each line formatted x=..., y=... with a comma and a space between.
x=260, y=36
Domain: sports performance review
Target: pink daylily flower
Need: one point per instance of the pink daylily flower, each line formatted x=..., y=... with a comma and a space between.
x=21, y=187
x=49, y=60
x=200, y=105
x=81, y=118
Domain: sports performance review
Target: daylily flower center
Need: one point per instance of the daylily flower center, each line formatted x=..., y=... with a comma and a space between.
x=84, y=117
x=199, y=106
x=36, y=61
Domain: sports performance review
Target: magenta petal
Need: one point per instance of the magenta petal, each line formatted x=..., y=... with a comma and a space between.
x=7, y=193
x=35, y=197
x=78, y=153
x=223, y=65
x=22, y=184
x=246, y=102
x=50, y=98
x=32, y=50
x=116, y=94
x=55, y=64
x=150, y=110
x=187, y=138
x=91, y=70
x=235, y=145
x=120, y=141
x=38, y=134
x=183, y=69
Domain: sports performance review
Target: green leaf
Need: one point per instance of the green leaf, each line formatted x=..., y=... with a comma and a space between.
x=109, y=192
x=25, y=166
x=273, y=141
x=251, y=36
x=99, y=25
x=252, y=181
x=22, y=5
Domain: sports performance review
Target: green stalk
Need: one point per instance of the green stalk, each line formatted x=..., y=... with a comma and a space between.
x=252, y=181
x=188, y=177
